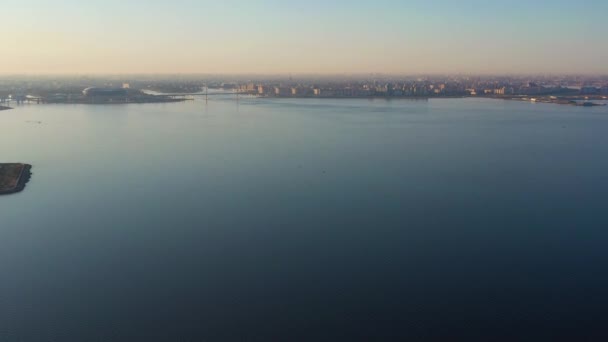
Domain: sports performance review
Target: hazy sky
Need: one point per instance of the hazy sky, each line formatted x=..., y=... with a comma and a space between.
x=303, y=36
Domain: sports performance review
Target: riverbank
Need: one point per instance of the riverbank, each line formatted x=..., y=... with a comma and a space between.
x=100, y=101
x=578, y=101
x=14, y=177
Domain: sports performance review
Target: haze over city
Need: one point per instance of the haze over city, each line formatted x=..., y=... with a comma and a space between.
x=270, y=37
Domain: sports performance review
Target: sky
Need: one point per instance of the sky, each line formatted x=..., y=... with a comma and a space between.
x=303, y=36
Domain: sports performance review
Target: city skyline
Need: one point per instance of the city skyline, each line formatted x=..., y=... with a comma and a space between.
x=272, y=37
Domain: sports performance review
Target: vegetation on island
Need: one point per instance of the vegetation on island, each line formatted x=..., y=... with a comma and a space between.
x=13, y=177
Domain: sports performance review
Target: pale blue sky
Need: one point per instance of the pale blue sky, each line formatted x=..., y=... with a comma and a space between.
x=314, y=36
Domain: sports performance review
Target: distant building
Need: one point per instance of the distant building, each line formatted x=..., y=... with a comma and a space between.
x=589, y=90
x=228, y=86
x=324, y=92
x=383, y=89
x=299, y=91
x=362, y=92
x=248, y=88
x=499, y=91
x=532, y=89
x=282, y=91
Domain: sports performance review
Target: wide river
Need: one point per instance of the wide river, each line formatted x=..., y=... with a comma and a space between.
x=304, y=219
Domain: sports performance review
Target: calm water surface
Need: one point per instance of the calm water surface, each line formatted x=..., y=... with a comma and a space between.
x=305, y=220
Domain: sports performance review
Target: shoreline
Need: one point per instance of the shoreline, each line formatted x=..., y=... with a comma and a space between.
x=114, y=102
x=578, y=101
x=572, y=101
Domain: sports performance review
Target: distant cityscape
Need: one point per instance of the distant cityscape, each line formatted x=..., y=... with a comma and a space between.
x=556, y=89
x=428, y=87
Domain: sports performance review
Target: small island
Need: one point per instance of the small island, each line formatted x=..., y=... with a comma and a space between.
x=13, y=177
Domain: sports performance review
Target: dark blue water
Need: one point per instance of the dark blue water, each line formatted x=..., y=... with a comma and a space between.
x=306, y=220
